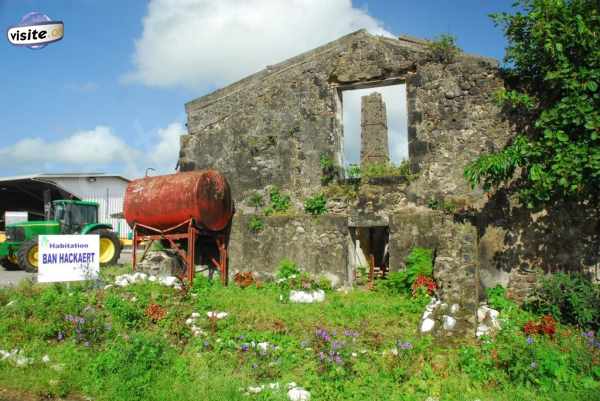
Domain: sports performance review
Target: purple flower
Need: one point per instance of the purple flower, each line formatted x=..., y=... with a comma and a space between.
x=321, y=356
x=336, y=345
x=530, y=340
x=254, y=366
x=60, y=336
x=350, y=333
x=337, y=359
x=588, y=334
x=206, y=344
x=405, y=345
x=323, y=335
x=245, y=347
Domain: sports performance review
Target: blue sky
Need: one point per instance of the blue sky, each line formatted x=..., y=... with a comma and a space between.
x=110, y=96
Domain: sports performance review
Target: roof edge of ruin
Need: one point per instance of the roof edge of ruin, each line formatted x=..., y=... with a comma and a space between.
x=271, y=69
x=412, y=42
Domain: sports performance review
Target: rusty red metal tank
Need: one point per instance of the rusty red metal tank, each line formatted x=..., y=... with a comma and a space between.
x=165, y=201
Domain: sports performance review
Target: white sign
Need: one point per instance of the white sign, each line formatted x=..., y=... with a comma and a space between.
x=68, y=257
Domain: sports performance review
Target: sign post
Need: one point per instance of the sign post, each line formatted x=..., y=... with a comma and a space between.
x=68, y=258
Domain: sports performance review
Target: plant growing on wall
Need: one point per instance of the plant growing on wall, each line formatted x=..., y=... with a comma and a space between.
x=256, y=200
x=280, y=203
x=328, y=170
x=553, y=70
x=386, y=170
x=256, y=224
x=443, y=49
x=316, y=205
x=353, y=171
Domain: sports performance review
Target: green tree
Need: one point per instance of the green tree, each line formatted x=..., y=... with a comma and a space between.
x=552, y=66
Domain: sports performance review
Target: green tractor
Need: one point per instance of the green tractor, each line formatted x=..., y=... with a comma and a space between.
x=66, y=217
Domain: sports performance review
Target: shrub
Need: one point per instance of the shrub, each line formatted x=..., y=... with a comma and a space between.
x=373, y=170
x=443, y=49
x=256, y=224
x=443, y=205
x=256, y=200
x=353, y=171
x=419, y=266
x=569, y=298
x=328, y=169
x=279, y=202
x=287, y=269
x=124, y=312
x=497, y=299
x=316, y=205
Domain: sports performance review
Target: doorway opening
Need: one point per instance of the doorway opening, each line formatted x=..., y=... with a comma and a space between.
x=369, y=253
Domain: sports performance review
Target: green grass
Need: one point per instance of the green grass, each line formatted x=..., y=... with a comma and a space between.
x=119, y=353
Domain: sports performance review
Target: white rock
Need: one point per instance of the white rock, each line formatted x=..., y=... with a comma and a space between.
x=298, y=394
x=169, y=281
x=493, y=314
x=152, y=279
x=482, y=313
x=139, y=277
x=306, y=297
x=319, y=295
x=449, y=322
x=426, y=314
x=189, y=321
x=427, y=325
x=482, y=329
x=263, y=347
x=217, y=315
x=254, y=390
x=454, y=308
x=195, y=315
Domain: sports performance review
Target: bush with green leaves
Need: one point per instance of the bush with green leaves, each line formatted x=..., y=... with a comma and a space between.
x=554, y=76
x=443, y=49
x=316, y=204
x=419, y=262
x=570, y=298
x=256, y=224
x=280, y=203
x=328, y=170
x=353, y=171
x=256, y=200
x=442, y=204
x=373, y=170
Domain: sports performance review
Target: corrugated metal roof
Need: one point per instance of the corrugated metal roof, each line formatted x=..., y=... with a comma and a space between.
x=61, y=175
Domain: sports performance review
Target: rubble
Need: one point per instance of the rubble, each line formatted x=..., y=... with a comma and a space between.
x=307, y=297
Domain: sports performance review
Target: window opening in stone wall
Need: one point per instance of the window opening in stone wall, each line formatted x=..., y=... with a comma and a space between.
x=370, y=253
x=368, y=114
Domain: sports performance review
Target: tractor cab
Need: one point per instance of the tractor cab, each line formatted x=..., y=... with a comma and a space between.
x=73, y=215
x=64, y=217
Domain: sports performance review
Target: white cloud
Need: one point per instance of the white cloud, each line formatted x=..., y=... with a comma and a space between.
x=206, y=43
x=163, y=156
x=99, y=149
x=394, y=97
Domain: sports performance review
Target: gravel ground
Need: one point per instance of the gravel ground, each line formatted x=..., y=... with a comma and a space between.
x=13, y=277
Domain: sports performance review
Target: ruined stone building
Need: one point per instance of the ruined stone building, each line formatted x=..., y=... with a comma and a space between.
x=273, y=127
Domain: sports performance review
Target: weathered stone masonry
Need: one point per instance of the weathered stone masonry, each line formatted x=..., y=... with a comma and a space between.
x=272, y=128
x=374, y=130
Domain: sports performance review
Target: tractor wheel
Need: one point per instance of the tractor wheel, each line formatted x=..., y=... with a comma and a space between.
x=10, y=262
x=28, y=256
x=110, y=247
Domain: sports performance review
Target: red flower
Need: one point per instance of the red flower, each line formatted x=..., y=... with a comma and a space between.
x=423, y=281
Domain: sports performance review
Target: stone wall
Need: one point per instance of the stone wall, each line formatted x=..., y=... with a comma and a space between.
x=273, y=126
x=318, y=245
